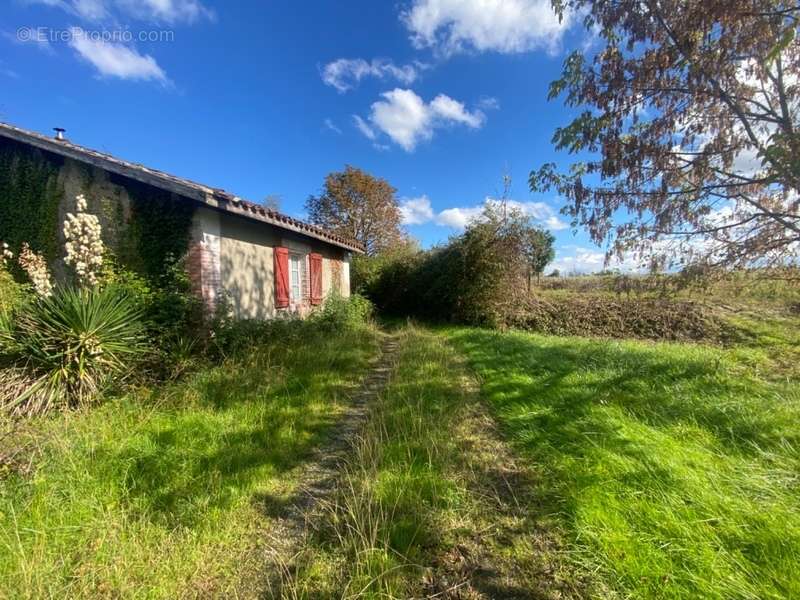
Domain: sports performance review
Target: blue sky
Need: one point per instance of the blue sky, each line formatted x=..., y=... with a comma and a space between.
x=439, y=97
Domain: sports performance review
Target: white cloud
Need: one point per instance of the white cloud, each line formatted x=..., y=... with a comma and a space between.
x=329, y=124
x=458, y=218
x=345, y=73
x=35, y=39
x=416, y=211
x=5, y=71
x=167, y=11
x=507, y=26
x=117, y=60
x=364, y=128
x=158, y=11
x=452, y=110
x=578, y=259
x=90, y=10
x=407, y=119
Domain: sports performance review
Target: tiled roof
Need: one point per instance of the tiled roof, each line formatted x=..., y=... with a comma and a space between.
x=214, y=197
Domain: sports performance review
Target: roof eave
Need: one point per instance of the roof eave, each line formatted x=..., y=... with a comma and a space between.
x=211, y=197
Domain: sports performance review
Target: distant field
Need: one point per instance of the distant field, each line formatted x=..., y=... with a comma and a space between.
x=737, y=290
x=735, y=309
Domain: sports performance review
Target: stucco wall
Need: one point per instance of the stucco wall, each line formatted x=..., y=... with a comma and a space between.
x=246, y=267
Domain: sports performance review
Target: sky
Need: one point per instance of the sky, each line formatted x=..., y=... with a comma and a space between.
x=442, y=98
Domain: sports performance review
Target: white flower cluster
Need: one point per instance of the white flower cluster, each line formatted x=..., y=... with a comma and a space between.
x=6, y=255
x=36, y=268
x=84, y=245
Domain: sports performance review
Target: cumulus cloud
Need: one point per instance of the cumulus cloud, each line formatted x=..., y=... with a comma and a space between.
x=507, y=26
x=458, y=217
x=117, y=60
x=156, y=11
x=408, y=120
x=577, y=260
x=345, y=73
x=418, y=211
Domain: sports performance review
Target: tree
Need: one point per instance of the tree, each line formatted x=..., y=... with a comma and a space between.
x=539, y=252
x=359, y=206
x=691, y=128
x=497, y=253
x=272, y=202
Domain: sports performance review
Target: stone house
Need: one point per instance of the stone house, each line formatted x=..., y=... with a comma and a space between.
x=266, y=263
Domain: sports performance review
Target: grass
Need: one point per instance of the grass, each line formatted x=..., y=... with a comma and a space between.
x=156, y=494
x=425, y=505
x=494, y=464
x=671, y=468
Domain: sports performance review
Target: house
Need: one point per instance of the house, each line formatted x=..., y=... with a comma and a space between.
x=266, y=263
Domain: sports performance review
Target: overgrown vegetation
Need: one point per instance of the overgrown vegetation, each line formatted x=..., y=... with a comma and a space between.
x=477, y=277
x=146, y=239
x=32, y=216
x=72, y=345
x=670, y=467
x=598, y=316
x=157, y=492
x=423, y=506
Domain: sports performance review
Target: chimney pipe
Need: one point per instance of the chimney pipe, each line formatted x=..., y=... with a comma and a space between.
x=59, y=133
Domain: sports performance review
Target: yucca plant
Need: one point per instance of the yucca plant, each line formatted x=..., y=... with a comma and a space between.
x=76, y=340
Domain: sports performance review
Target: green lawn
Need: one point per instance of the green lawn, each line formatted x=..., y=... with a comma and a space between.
x=671, y=468
x=156, y=494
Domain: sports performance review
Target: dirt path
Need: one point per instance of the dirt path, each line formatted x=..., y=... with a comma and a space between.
x=502, y=513
x=290, y=523
x=499, y=544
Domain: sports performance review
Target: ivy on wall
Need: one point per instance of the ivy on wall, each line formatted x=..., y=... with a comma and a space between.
x=29, y=198
x=158, y=230
x=154, y=231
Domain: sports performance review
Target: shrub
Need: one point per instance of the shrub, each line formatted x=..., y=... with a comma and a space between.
x=12, y=294
x=473, y=279
x=232, y=337
x=342, y=313
x=75, y=341
x=171, y=314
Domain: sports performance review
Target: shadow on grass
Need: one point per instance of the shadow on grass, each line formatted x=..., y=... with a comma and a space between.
x=214, y=440
x=628, y=438
x=661, y=386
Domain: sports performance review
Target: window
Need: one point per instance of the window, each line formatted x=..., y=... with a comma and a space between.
x=296, y=276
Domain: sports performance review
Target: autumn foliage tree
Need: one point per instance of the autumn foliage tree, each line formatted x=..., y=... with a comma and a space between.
x=360, y=206
x=690, y=126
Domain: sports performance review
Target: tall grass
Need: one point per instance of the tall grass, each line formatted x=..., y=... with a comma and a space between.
x=157, y=494
x=422, y=507
x=381, y=521
x=672, y=468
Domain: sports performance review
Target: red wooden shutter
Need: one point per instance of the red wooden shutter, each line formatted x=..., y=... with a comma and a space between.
x=315, y=262
x=281, y=277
